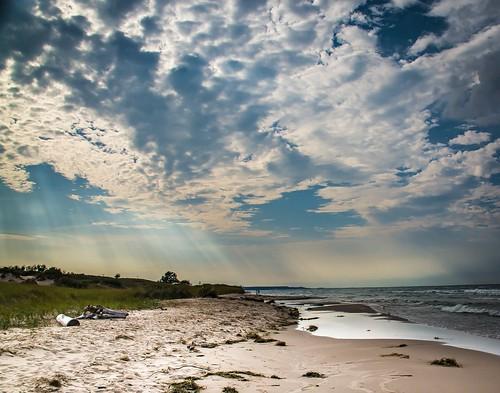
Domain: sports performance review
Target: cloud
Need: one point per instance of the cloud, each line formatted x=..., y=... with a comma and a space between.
x=470, y=137
x=162, y=104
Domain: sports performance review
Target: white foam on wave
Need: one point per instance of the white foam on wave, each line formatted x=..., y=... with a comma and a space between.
x=484, y=291
x=462, y=308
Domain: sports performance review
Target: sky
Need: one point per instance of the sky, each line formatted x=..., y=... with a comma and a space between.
x=319, y=143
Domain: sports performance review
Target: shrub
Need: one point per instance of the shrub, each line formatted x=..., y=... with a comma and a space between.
x=207, y=290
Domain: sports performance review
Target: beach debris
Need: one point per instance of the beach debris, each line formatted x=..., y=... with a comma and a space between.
x=123, y=337
x=280, y=344
x=187, y=386
x=396, y=355
x=100, y=312
x=312, y=328
x=229, y=389
x=446, y=362
x=263, y=340
x=308, y=319
x=64, y=320
x=234, y=341
x=208, y=345
x=313, y=374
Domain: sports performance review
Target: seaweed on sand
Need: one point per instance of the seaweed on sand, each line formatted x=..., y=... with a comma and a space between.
x=313, y=374
x=238, y=375
x=446, y=362
x=395, y=355
x=229, y=389
x=50, y=384
x=258, y=338
x=187, y=386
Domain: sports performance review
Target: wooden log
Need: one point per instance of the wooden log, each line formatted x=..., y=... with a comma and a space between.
x=64, y=320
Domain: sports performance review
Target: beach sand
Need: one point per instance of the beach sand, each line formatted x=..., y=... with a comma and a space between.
x=152, y=349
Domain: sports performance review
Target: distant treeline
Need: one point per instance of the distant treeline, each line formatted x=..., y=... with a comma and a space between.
x=167, y=287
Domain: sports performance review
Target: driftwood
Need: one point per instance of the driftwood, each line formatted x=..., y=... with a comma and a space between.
x=100, y=312
x=64, y=320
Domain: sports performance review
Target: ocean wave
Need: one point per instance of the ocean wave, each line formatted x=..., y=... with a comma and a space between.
x=484, y=291
x=462, y=308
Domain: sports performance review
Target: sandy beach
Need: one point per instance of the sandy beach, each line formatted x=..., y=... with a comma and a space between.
x=213, y=340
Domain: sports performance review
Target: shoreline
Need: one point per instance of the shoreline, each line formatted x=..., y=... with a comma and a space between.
x=215, y=342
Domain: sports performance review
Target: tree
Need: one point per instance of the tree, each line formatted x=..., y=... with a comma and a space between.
x=117, y=276
x=169, y=278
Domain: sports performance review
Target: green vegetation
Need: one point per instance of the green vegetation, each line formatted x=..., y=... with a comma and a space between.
x=446, y=362
x=34, y=305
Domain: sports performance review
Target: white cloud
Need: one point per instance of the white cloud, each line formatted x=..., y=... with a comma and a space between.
x=190, y=113
x=470, y=137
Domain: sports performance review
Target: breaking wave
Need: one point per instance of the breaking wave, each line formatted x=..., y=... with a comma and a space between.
x=481, y=291
x=462, y=308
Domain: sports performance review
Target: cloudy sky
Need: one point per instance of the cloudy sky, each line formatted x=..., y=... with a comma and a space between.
x=315, y=142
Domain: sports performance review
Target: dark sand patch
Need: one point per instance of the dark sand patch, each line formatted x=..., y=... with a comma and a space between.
x=351, y=308
x=390, y=317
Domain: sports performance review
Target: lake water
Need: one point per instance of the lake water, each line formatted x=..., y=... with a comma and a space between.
x=464, y=316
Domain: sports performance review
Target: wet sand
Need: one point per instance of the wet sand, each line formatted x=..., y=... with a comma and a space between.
x=351, y=307
x=208, y=339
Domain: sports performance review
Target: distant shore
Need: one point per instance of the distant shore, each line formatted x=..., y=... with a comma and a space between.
x=221, y=343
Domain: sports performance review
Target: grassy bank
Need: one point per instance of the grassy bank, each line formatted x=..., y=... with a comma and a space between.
x=25, y=305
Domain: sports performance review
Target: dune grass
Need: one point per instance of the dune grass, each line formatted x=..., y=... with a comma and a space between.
x=23, y=305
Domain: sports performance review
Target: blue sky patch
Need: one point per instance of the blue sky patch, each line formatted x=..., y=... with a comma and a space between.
x=398, y=29
x=48, y=207
x=294, y=214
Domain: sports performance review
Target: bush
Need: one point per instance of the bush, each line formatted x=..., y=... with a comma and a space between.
x=207, y=290
x=71, y=283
